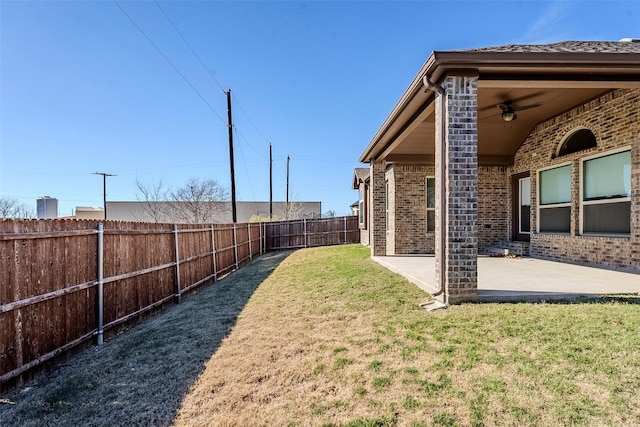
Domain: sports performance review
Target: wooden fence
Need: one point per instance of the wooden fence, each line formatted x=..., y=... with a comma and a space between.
x=64, y=282
x=307, y=233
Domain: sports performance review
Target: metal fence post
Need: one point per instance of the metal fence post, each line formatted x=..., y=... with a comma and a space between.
x=345, y=229
x=304, y=222
x=249, y=232
x=213, y=254
x=235, y=245
x=175, y=238
x=100, y=284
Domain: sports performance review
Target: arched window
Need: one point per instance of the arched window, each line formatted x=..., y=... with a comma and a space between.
x=577, y=140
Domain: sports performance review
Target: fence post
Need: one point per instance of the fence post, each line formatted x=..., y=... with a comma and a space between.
x=304, y=222
x=100, y=284
x=260, y=234
x=213, y=254
x=345, y=230
x=175, y=239
x=265, y=248
x=235, y=245
x=249, y=232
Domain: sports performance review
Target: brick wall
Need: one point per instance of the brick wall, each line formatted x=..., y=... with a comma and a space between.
x=458, y=109
x=614, y=119
x=494, y=204
x=376, y=223
x=410, y=213
x=409, y=216
x=391, y=226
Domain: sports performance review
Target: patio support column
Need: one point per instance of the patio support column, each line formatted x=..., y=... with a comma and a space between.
x=457, y=118
x=377, y=211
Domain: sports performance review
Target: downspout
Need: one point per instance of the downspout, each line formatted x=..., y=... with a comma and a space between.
x=440, y=180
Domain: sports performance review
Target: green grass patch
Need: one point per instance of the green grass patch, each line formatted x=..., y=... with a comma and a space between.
x=341, y=363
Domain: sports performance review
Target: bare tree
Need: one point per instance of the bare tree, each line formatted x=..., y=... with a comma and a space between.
x=293, y=209
x=154, y=199
x=11, y=208
x=199, y=201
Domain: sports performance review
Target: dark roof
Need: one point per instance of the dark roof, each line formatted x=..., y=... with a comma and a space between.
x=565, y=47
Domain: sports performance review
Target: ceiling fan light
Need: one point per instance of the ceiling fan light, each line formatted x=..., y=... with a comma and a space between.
x=508, y=116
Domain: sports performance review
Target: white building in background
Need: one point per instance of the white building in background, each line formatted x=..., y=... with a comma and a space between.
x=166, y=212
x=47, y=207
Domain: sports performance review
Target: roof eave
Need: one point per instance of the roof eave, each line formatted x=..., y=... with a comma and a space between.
x=439, y=63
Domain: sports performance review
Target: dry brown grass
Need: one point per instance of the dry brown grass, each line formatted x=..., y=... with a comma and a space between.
x=329, y=338
x=139, y=377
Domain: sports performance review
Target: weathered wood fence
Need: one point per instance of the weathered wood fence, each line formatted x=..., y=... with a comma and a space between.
x=307, y=233
x=65, y=282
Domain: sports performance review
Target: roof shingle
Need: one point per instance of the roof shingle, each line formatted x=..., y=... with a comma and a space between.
x=565, y=47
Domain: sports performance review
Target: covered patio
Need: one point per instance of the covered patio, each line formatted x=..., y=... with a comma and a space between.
x=517, y=146
x=502, y=279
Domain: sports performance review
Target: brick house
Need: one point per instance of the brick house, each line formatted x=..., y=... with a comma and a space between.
x=532, y=148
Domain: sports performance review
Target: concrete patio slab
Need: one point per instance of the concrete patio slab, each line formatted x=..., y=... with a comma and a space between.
x=521, y=279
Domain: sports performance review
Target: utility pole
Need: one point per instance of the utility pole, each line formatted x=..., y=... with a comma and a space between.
x=288, y=159
x=270, y=182
x=104, y=190
x=231, y=164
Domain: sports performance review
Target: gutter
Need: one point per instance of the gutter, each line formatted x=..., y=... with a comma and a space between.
x=440, y=179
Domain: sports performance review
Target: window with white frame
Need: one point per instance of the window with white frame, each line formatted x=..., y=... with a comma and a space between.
x=431, y=204
x=554, y=200
x=524, y=205
x=606, y=194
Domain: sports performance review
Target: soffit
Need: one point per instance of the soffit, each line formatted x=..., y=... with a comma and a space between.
x=561, y=76
x=495, y=136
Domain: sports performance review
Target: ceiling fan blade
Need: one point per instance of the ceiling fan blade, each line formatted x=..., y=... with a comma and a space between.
x=526, y=107
x=505, y=106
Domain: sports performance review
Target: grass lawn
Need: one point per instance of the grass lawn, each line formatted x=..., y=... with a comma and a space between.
x=329, y=338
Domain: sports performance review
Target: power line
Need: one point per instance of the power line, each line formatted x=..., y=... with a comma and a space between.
x=184, y=39
x=172, y=168
x=249, y=118
x=247, y=141
x=104, y=190
x=244, y=163
x=191, y=48
x=168, y=60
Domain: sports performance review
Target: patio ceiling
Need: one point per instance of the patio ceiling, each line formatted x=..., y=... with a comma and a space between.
x=560, y=76
x=497, y=140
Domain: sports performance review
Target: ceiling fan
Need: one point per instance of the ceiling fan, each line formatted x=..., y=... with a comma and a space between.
x=509, y=110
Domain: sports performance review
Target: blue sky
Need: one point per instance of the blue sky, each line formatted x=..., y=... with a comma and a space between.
x=83, y=90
